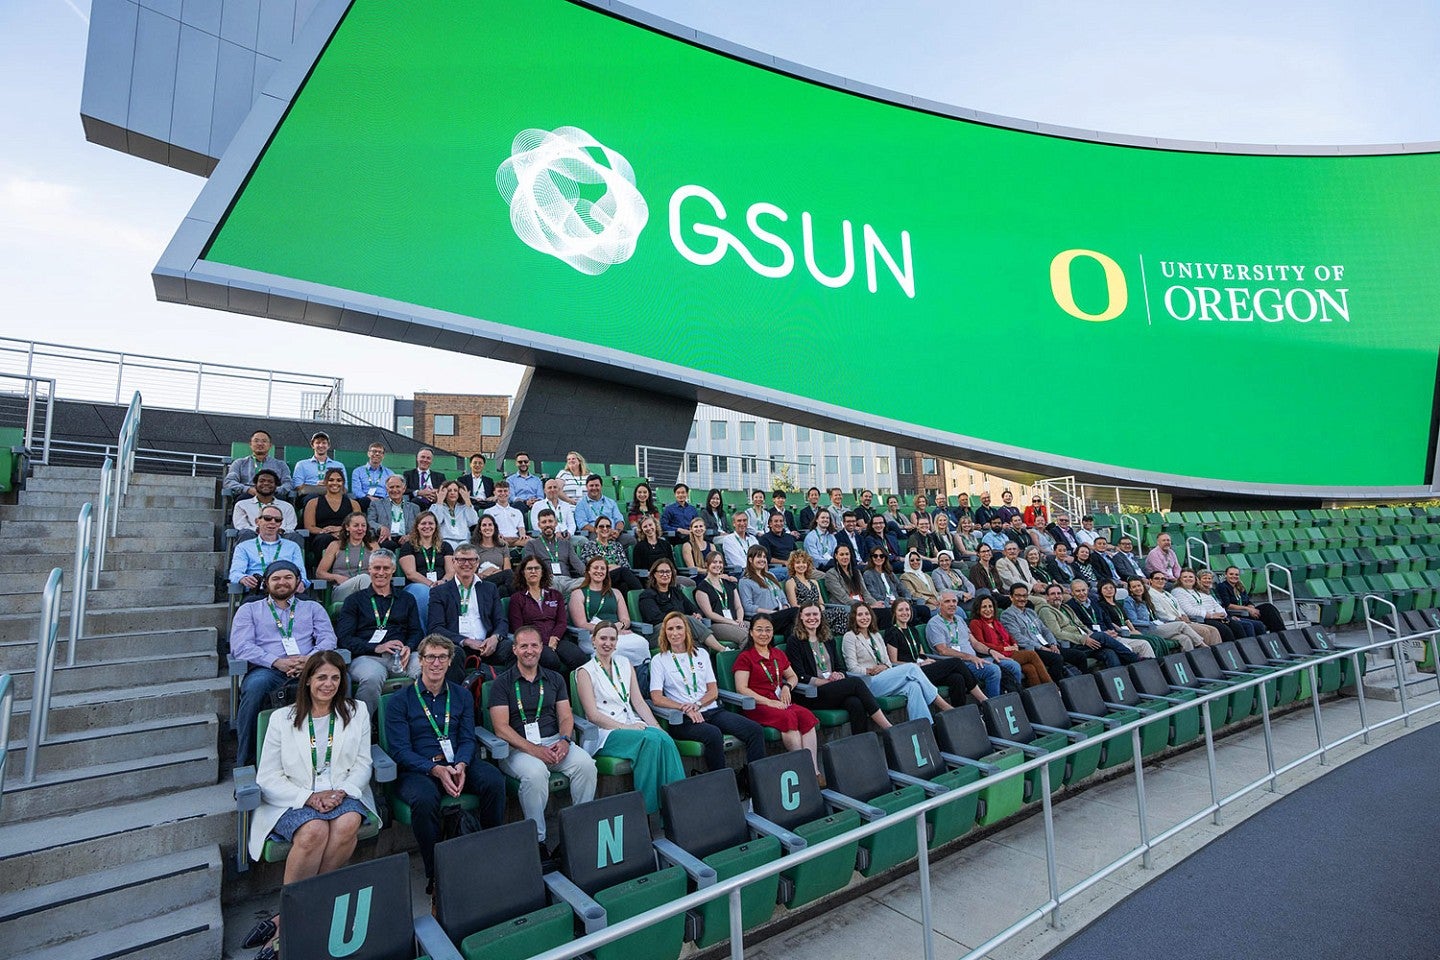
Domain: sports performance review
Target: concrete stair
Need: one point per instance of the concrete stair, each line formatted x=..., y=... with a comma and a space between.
x=37, y=564
x=23, y=626
x=70, y=501
x=126, y=673
x=18, y=656
x=117, y=599
x=68, y=789
x=74, y=712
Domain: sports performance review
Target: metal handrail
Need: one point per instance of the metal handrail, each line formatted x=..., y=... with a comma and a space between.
x=1288, y=590
x=107, y=485
x=125, y=457
x=732, y=887
x=44, y=669
x=1137, y=533
x=1190, y=552
x=7, y=704
x=84, y=553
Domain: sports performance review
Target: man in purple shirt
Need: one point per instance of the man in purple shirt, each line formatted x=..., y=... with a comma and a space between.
x=275, y=636
x=1162, y=559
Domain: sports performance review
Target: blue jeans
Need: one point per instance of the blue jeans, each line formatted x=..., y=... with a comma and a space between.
x=1012, y=670
x=421, y=593
x=1123, y=654
x=255, y=690
x=987, y=675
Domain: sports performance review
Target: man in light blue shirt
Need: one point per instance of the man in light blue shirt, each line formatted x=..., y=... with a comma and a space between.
x=594, y=505
x=309, y=475
x=996, y=536
x=369, y=478
x=252, y=557
x=525, y=487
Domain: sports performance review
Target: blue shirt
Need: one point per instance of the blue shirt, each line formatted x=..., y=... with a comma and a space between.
x=412, y=740
x=368, y=481
x=526, y=488
x=255, y=636
x=996, y=540
x=310, y=473
x=587, y=510
x=676, y=518
x=252, y=556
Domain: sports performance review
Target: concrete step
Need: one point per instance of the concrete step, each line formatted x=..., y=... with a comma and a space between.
x=103, y=599
x=149, y=738
x=71, y=501
x=67, y=910
x=149, y=579
x=125, y=620
x=69, y=789
x=18, y=655
x=159, y=529
x=122, y=674
x=73, y=712
x=66, y=514
x=44, y=472
x=38, y=852
x=31, y=561
x=190, y=932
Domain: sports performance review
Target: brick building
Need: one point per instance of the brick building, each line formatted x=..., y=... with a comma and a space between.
x=465, y=423
x=920, y=472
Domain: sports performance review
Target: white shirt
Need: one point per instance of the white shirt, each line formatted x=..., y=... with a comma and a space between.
x=1165, y=606
x=1195, y=604
x=735, y=548
x=1086, y=536
x=471, y=625
x=682, y=677
x=509, y=522
x=564, y=516
x=245, y=512
x=455, y=527
x=574, y=486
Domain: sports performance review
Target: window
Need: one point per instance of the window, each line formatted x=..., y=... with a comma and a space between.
x=490, y=426
x=857, y=464
x=692, y=462
x=802, y=434
x=907, y=466
x=806, y=460
x=832, y=466
x=747, y=429
x=927, y=465
x=720, y=464
x=882, y=465
x=717, y=429
x=747, y=465
x=405, y=426
x=694, y=428
x=829, y=437
x=444, y=425
x=777, y=432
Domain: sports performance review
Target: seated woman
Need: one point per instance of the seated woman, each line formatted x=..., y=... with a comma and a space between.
x=662, y=595
x=844, y=583
x=906, y=643
x=820, y=541
x=1240, y=626
x=864, y=651
x=649, y=547
x=681, y=678
x=534, y=603
x=877, y=536
x=314, y=780
x=1142, y=613
x=897, y=521
x=573, y=478
x=802, y=588
x=967, y=545
x=992, y=641
x=642, y=504
x=760, y=592
x=1084, y=569
x=1201, y=607
x=695, y=551
x=920, y=584
x=816, y=660
x=947, y=576
x=610, y=693
x=983, y=575
x=324, y=515
x=457, y=517
x=596, y=600
x=764, y=673
x=1038, y=570
x=922, y=509
x=425, y=561
x=719, y=601
x=1114, y=622
x=494, y=554
x=717, y=521
x=343, y=563
x=887, y=588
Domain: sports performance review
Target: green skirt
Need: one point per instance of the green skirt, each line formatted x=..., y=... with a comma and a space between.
x=652, y=756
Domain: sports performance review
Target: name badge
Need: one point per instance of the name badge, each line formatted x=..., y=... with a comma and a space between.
x=532, y=731
x=431, y=575
x=291, y=647
x=374, y=491
x=378, y=637
x=448, y=749
x=555, y=569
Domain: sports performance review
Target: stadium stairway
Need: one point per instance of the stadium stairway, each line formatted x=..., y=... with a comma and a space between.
x=114, y=849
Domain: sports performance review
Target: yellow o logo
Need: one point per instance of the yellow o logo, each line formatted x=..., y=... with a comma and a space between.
x=1065, y=297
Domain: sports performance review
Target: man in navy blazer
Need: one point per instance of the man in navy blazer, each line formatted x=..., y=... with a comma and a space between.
x=423, y=483
x=466, y=611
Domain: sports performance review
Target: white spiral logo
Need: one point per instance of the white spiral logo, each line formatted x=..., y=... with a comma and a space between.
x=542, y=181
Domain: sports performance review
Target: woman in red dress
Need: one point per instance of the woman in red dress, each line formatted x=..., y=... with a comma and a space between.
x=763, y=672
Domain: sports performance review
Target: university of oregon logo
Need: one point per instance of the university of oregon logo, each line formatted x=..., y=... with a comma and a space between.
x=550, y=182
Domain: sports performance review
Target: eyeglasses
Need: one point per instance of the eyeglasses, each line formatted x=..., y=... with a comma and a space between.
x=268, y=519
x=436, y=658
x=467, y=559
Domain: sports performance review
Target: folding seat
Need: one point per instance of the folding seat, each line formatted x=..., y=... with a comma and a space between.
x=550, y=468
x=1181, y=674
x=1320, y=537
x=1386, y=559
x=1289, y=518
x=1298, y=646
x=1119, y=693
x=1379, y=584
x=832, y=722
x=1258, y=655
x=1250, y=541
x=362, y=912
x=1334, y=562
x=1151, y=683
x=1424, y=593
x=855, y=768
x=1323, y=642
x=1209, y=668
x=1082, y=700
x=1313, y=565
x=1008, y=726
x=785, y=792
x=1272, y=519
x=1280, y=654
x=608, y=853
x=1279, y=540
x=617, y=470
x=705, y=818
x=1415, y=553
x=1257, y=518
x=912, y=751
x=1306, y=517
x=507, y=914
x=964, y=741
x=1403, y=533
x=1368, y=535
x=1046, y=710
x=1233, y=665
x=1426, y=621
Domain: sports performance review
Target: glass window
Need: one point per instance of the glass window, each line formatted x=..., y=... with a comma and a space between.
x=857, y=464
x=405, y=426
x=927, y=465
x=720, y=464
x=490, y=426
x=692, y=462
x=806, y=460
x=829, y=437
x=907, y=466
x=694, y=428
x=777, y=432
x=832, y=466
x=802, y=434
x=444, y=425
x=717, y=429
x=882, y=465
x=747, y=429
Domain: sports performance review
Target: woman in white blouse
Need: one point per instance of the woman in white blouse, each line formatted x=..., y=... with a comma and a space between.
x=681, y=678
x=573, y=477
x=457, y=517
x=314, y=780
x=1200, y=606
x=865, y=653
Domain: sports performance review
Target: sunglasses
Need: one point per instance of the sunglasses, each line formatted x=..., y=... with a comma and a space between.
x=268, y=519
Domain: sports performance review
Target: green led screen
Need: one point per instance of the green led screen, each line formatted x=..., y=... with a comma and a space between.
x=541, y=165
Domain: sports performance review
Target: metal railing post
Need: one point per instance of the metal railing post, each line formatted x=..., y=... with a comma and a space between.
x=1140, y=804
x=49, y=421
x=1288, y=589
x=1360, y=695
x=107, y=478
x=737, y=926
x=79, y=591
x=1397, y=652
x=7, y=705
x=1190, y=551
x=1315, y=708
x=44, y=669
x=1210, y=759
x=927, y=924
x=1051, y=870
x=1269, y=733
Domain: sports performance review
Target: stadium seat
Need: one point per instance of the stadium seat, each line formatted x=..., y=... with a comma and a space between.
x=855, y=768
x=604, y=766
x=1180, y=674
x=911, y=749
x=559, y=783
x=1233, y=665
x=362, y=912
x=1081, y=696
x=1119, y=693
x=1297, y=644
x=1008, y=725
x=964, y=742
x=832, y=722
x=785, y=792
x=1151, y=683
x=1208, y=666
x=399, y=809
x=1256, y=655
x=1046, y=710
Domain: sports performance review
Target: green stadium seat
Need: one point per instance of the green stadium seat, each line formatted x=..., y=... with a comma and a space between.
x=1008, y=725
x=912, y=750
x=1046, y=709
x=831, y=721
x=1081, y=698
x=855, y=769
x=1210, y=669
x=784, y=791
x=1120, y=695
x=399, y=809
x=964, y=742
x=1180, y=672
x=1150, y=680
x=550, y=468
x=623, y=470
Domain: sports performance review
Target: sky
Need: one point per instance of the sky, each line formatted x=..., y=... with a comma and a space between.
x=81, y=226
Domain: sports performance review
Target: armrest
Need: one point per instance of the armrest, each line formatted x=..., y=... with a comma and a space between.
x=1247, y=674
x=230, y=534
x=1069, y=734
x=233, y=589
x=591, y=914
x=247, y=791
x=1139, y=708
x=789, y=840
x=809, y=690
x=1109, y=722
x=748, y=703
x=866, y=810
x=668, y=714
x=702, y=873
x=432, y=939
x=238, y=667
x=381, y=766
x=905, y=780
x=492, y=744
x=1161, y=698
x=955, y=760
x=644, y=629
x=589, y=734
x=1024, y=748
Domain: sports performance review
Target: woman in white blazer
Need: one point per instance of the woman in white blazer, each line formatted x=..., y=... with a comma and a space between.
x=314, y=779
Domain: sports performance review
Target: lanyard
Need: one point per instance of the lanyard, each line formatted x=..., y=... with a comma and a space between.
x=822, y=656
x=381, y=624
x=520, y=704
x=692, y=682
x=554, y=551
x=315, y=753
x=772, y=672
x=880, y=657
x=590, y=615
x=440, y=733
x=287, y=630
x=375, y=474
x=721, y=594
x=465, y=597
x=260, y=549
x=397, y=514
x=912, y=642
x=617, y=682
x=428, y=553
x=347, y=557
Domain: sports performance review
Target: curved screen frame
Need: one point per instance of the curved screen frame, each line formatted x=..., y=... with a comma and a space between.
x=181, y=276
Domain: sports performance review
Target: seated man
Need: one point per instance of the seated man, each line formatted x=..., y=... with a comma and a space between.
x=1124, y=560
x=594, y=505
x=1060, y=566
x=676, y=518
x=777, y=505
x=242, y=518
x=466, y=612
x=925, y=542
x=1030, y=633
x=1087, y=533
x=996, y=536
x=737, y=544
x=837, y=507
x=949, y=635
x=563, y=512
x=811, y=508
x=566, y=570
x=368, y=480
x=1008, y=510
x=530, y=710
x=525, y=487
x=430, y=729
x=1232, y=596
x=423, y=482
x=1163, y=559
x=240, y=477
x=1076, y=637
x=779, y=544
x=392, y=519
x=1060, y=532
x=1012, y=568
x=481, y=487
x=849, y=534
x=1102, y=560
x=603, y=544
x=275, y=637
x=380, y=626
x=254, y=556
x=1088, y=614
x=1017, y=533
x=864, y=509
x=309, y=475
x=509, y=522
x=985, y=511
